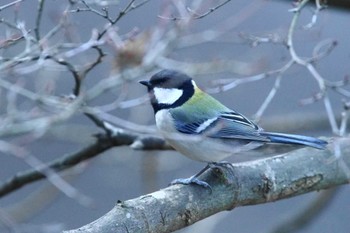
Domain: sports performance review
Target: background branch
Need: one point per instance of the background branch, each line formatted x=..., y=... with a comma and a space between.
x=102, y=144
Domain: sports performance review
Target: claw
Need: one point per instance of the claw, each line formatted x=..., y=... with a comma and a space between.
x=191, y=180
x=195, y=180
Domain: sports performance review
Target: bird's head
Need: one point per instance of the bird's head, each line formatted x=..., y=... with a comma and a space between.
x=169, y=89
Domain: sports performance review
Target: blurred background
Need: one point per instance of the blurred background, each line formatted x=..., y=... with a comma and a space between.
x=220, y=48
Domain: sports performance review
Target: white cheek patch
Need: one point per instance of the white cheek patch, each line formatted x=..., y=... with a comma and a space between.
x=167, y=95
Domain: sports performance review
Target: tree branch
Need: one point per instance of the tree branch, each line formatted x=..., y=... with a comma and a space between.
x=249, y=183
x=102, y=144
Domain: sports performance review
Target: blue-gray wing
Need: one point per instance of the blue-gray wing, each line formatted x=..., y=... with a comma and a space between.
x=227, y=125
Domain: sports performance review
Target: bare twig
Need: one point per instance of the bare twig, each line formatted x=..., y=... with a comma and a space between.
x=196, y=15
x=321, y=52
x=319, y=7
x=41, y=124
x=344, y=119
x=47, y=100
x=45, y=171
x=103, y=14
x=79, y=75
x=106, y=15
x=100, y=55
x=310, y=67
x=268, y=99
x=125, y=124
x=227, y=84
x=10, y=41
x=38, y=19
x=3, y=7
x=256, y=40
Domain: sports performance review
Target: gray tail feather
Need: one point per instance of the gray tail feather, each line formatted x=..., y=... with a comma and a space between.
x=295, y=139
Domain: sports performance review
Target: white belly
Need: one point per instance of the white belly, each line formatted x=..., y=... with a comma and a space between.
x=199, y=148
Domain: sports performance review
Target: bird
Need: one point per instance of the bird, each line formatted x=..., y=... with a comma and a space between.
x=200, y=127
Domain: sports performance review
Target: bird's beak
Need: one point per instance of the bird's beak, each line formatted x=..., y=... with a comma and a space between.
x=146, y=83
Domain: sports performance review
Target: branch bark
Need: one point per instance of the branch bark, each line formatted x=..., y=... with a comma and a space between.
x=248, y=183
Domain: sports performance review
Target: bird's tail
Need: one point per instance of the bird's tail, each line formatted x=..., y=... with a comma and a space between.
x=295, y=139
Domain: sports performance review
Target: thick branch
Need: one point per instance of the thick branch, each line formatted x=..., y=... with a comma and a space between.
x=249, y=183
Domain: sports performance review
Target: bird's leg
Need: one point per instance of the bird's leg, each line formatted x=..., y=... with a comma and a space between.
x=194, y=179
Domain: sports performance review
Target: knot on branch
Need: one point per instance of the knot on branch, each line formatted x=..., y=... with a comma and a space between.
x=186, y=217
x=225, y=174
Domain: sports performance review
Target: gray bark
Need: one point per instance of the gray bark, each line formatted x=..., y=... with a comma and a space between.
x=266, y=180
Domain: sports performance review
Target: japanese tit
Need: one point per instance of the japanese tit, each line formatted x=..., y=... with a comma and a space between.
x=201, y=128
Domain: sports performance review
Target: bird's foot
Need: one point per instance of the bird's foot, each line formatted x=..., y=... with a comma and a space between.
x=191, y=180
x=195, y=180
